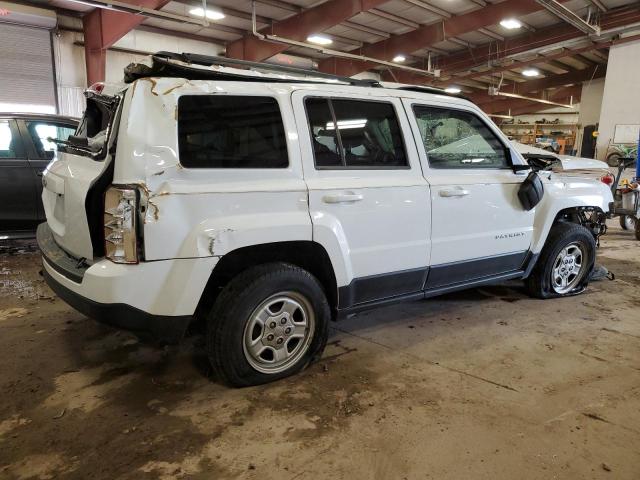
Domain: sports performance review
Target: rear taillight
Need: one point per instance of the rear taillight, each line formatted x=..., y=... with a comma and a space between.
x=607, y=179
x=97, y=87
x=120, y=239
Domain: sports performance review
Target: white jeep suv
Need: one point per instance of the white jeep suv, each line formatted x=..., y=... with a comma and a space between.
x=268, y=201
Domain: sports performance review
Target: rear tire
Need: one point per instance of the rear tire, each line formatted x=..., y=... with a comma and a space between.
x=637, y=220
x=268, y=323
x=565, y=263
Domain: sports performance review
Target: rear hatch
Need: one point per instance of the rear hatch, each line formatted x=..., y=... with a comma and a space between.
x=75, y=181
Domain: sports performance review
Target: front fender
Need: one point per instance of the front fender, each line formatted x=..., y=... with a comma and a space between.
x=561, y=193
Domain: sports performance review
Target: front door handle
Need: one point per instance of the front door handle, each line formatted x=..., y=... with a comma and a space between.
x=349, y=197
x=454, y=192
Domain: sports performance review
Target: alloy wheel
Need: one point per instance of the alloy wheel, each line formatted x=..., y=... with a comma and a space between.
x=279, y=332
x=568, y=268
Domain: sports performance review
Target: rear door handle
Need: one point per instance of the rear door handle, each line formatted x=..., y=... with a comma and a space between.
x=454, y=192
x=349, y=197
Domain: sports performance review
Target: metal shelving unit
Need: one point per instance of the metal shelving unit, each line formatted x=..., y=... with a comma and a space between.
x=536, y=133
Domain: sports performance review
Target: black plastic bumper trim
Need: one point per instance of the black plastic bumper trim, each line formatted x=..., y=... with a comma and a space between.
x=468, y=271
x=56, y=257
x=156, y=328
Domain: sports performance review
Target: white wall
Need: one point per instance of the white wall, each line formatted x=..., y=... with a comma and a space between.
x=149, y=42
x=621, y=96
x=71, y=74
x=71, y=77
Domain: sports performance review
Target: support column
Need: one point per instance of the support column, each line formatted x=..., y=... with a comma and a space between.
x=102, y=28
x=95, y=54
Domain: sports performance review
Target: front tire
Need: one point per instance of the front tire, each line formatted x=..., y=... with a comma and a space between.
x=268, y=323
x=565, y=263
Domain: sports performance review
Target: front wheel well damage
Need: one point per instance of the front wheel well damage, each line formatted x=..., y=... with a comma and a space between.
x=593, y=218
x=308, y=255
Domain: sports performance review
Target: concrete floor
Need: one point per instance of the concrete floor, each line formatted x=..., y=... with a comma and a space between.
x=482, y=384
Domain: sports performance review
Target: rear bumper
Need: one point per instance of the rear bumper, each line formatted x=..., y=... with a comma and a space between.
x=156, y=328
x=154, y=299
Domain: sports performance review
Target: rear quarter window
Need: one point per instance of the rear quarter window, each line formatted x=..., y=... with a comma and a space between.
x=229, y=131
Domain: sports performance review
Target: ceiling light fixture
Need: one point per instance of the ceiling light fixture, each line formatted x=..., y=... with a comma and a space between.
x=511, y=23
x=530, y=72
x=399, y=58
x=452, y=90
x=319, y=39
x=211, y=14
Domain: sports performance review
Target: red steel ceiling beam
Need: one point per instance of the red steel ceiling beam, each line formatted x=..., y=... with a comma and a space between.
x=299, y=27
x=544, y=58
x=428, y=35
x=538, y=59
x=521, y=107
x=576, y=76
x=102, y=28
x=497, y=50
x=532, y=107
x=504, y=104
x=540, y=38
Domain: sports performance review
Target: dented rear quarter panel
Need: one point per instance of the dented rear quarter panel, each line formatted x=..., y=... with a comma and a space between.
x=206, y=212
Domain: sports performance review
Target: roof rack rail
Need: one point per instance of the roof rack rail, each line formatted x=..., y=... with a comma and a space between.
x=428, y=89
x=165, y=64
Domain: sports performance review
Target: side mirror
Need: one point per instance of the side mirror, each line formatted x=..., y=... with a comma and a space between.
x=520, y=168
x=531, y=191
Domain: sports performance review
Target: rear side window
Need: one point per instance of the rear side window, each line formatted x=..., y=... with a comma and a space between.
x=227, y=131
x=10, y=144
x=355, y=134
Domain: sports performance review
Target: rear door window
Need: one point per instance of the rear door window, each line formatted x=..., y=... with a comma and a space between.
x=10, y=143
x=356, y=134
x=41, y=132
x=230, y=131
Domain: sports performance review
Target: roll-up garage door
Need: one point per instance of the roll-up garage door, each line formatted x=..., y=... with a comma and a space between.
x=26, y=69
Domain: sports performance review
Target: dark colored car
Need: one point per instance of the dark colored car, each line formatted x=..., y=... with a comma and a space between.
x=24, y=154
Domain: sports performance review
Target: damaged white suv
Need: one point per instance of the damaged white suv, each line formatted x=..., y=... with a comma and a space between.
x=268, y=201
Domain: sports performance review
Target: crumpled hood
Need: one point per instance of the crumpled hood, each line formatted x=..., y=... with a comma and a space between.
x=579, y=163
x=587, y=166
